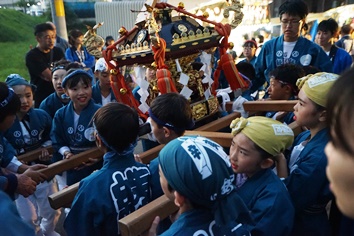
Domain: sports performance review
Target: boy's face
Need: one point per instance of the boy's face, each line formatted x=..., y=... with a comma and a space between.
x=323, y=38
x=57, y=78
x=291, y=27
x=104, y=78
x=158, y=132
x=80, y=95
x=46, y=40
x=341, y=177
x=26, y=97
x=164, y=185
x=7, y=122
x=277, y=90
x=244, y=156
x=306, y=112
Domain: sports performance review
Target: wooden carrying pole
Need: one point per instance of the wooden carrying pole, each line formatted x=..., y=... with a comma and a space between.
x=61, y=198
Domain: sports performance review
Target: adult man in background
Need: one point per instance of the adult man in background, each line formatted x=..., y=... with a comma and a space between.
x=39, y=61
x=59, y=42
x=345, y=41
x=290, y=47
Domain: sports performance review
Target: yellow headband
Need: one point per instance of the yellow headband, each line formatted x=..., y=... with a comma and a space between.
x=316, y=86
x=270, y=135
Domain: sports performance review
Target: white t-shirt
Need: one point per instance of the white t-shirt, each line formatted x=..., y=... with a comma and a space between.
x=287, y=50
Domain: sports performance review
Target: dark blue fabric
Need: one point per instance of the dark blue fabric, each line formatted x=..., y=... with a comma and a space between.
x=269, y=203
x=63, y=134
x=200, y=222
x=119, y=188
x=271, y=56
x=40, y=124
x=11, y=222
x=309, y=187
x=51, y=104
x=97, y=96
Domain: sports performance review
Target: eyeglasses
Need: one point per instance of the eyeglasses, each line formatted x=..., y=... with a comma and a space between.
x=290, y=22
x=249, y=48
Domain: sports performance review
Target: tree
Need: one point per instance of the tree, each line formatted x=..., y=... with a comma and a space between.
x=25, y=4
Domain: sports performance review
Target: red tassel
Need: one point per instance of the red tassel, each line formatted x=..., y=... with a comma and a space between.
x=123, y=93
x=164, y=81
x=231, y=73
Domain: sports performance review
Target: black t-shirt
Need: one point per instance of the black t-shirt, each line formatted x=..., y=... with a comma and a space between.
x=36, y=62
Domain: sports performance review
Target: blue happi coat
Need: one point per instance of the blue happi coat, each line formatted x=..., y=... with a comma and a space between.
x=269, y=204
x=40, y=124
x=7, y=152
x=305, y=53
x=97, y=96
x=309, y=187
x=201, y=222
x=119, y=188
x=78, y=139
x=11, y=222
x=51, y=104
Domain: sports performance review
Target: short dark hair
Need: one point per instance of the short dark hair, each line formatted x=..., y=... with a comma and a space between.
x=288, y=73
x=340, y=109
x=247, y=69
x=117, y=124
x=12, y=104
x=40, y=28
x=261, y=38
x=328, y=25
x=294, y=8
x=174, y=109
x=346, y=29
x=74, y=80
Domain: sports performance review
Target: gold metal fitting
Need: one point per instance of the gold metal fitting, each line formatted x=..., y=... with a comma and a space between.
x=122, y=31
x=205, y=14
x=123, y=91
x=113, y=72
x=181, y=5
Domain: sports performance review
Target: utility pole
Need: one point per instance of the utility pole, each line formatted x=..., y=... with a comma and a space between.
x=58, y=16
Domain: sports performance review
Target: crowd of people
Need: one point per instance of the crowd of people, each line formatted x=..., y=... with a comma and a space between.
x=268, y=182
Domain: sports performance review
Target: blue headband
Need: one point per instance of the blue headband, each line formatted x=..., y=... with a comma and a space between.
x=58, y=68
x=8, y=98
x=200, y=170
x=246, y=78
x=168, y=125
x=73, y=73
x=126, y=151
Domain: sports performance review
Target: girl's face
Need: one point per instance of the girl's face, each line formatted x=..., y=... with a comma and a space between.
x=341, y=177
x=57, y=78
x=26, y=97
x=79, y=39
x=306, y=112
x=80, y=95
x=244, y=156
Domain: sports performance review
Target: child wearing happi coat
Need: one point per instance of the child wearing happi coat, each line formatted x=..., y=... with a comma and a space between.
x=257, y=140
x=102, y=92
x=340, y=151
x=30, y=131
x=58, y=99
x=124, y=184
x=305, y=170
x=196, y=174
x=72, y=131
